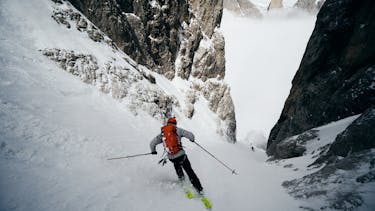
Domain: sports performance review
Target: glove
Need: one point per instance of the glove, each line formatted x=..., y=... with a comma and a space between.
x=193, y=138
x=154, y=153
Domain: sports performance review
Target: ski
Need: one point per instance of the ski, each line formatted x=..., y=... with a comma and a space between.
x=190, y=195
x=206, y=202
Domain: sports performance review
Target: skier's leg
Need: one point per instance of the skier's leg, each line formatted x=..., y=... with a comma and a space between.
x=177, y=163
x=192, y=176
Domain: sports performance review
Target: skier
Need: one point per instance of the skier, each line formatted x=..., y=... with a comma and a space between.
x=252, y=147
x=171, y=136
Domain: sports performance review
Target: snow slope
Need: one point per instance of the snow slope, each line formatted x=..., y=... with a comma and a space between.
x=262, y=56
x=57, y=132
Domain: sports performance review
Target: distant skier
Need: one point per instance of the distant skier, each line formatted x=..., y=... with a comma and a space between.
x=252, y=147
x=171, y=136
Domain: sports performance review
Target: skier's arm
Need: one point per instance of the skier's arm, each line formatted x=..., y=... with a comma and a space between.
x=187, y=134
x=157, y=140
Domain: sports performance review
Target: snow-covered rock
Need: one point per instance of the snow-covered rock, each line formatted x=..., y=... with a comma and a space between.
x=309, y=5
x=242, y=8
x=325, y=180
x=275, y=4
x=343, y=185
x=172, y=38
x=122, y=81
x=332, y=81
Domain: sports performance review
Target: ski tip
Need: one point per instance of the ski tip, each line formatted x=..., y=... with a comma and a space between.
x=206, y=203
x=188, y=193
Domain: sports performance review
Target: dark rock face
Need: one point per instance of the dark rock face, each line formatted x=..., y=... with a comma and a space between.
x=294, y=146
x=366, y=178
x=336, y=76
x=201, y=52
x=151, y=32
x=146, y=31
x=358, y=136
x=242, y=8
x=209, y=14
x=173, y=38
x=309, y=5
x=336, y=79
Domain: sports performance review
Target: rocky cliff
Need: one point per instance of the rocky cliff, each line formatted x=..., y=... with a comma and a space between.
x=336, y=79
x=275, y=4
x=336, y=75
x=175, y=39
x=309, y=5
x=242, y=8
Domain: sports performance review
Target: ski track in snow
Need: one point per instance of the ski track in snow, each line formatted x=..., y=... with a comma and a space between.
x=57, y=132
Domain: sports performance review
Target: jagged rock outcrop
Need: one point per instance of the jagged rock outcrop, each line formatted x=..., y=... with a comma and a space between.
x=202, y=47
x=209, y=60
x=294, y=146
x=172, y=38
x=275, y=4
x=188, y=47
x=153, y=33
x=84, y=66
x=242, y=8
x=359, y=136
x=208, y=13
x=64, y=16
x=342, y=177
x=119, y=81
x=309, y=5
x=146, y=30
x=221, y=103
x=335, y=80
x=336, y=75
x=339, y=183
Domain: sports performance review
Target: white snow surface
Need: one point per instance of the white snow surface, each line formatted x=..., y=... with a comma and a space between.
x=57, y=132
x=262, y=56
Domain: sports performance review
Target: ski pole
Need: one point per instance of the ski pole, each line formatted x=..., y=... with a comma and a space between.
x=232, y=170
x=130, y=156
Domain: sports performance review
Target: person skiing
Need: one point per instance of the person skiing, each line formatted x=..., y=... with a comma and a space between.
x=171, y=136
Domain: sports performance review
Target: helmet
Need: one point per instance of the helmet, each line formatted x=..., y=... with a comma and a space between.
x=172, y=120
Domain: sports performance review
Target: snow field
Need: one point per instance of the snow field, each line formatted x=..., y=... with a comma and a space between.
x=262, y=56
x=56, y=134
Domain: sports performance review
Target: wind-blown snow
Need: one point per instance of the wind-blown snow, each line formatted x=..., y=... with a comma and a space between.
x=262, y=56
